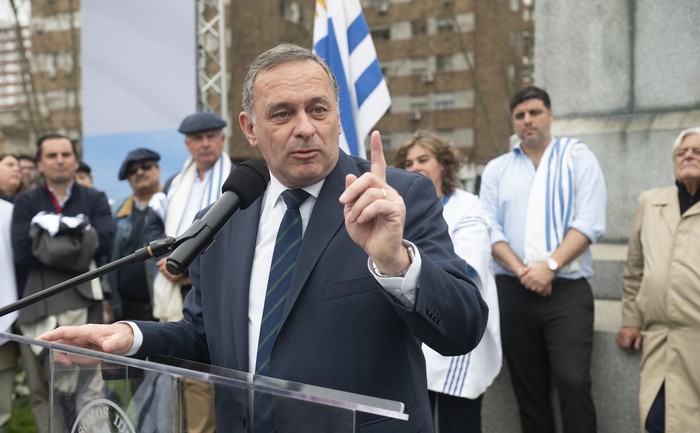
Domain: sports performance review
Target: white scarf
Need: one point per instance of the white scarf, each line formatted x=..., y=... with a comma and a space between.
x=167, y=301
x=551, y=202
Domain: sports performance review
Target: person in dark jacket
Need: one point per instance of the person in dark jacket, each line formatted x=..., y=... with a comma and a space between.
x=64, y=208
x=132, y=287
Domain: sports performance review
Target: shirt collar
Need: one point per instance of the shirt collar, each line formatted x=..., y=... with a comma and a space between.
x=517, y=147
x=276, y=188
x=69, y=191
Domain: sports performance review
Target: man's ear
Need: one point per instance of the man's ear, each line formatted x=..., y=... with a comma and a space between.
x=246, y=125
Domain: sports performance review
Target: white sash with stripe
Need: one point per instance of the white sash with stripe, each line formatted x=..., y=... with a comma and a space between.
x=552, y=202
x=167, y=301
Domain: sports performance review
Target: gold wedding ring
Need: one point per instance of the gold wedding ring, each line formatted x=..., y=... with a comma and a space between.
x=384, y=191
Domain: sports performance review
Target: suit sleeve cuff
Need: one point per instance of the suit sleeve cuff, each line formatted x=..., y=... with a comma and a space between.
x=402, y=288
x=138, y=338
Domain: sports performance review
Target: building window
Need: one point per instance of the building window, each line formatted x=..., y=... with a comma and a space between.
x=376, y=3
x=418, y=106
x=64, y=63
x=419, y=28
x=445, y=104
x=290, y=11
x=71, y=100
x=381, y=34
x=51, y=60
x=443, y=62
x=418, y=66
x=12, y=67
x=381, y=6
x=419, y=71
x=445, y=25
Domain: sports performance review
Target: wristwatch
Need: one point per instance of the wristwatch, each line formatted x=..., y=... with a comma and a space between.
x=552, y=265
x=411, y=256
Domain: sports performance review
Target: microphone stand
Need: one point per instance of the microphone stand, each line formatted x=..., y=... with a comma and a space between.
x=154, y=249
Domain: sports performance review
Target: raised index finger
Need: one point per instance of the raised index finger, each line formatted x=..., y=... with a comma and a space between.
x=377, y=156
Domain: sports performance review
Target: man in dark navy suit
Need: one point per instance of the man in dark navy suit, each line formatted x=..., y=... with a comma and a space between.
x=376, y=273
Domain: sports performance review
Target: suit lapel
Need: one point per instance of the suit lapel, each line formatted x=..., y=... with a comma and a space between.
x=670, y=212
x=241, y=248
x=326, y=220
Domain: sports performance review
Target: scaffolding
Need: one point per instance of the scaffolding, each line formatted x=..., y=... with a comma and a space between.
x=212, y=82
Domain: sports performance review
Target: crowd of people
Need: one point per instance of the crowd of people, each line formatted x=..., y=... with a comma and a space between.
x=397, y=284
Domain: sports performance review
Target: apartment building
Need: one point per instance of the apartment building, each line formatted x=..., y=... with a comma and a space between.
x=451, y=65
x=40, y=85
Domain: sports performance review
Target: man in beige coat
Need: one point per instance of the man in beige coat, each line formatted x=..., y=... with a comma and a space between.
x=661, y=299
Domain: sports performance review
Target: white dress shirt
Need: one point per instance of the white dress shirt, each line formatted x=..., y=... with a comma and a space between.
x=272, y=212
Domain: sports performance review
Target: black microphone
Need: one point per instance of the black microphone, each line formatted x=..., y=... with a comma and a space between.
x=244, y=185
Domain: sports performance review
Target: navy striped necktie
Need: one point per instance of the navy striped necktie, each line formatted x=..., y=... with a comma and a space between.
x=281, y=270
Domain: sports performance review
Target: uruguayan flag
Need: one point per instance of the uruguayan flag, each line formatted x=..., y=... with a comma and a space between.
x=342, y=39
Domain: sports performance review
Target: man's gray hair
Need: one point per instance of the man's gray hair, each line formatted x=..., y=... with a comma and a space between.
x=679, y=140
x=281, y=54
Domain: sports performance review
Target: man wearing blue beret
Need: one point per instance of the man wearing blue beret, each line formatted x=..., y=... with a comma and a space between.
x=131, y=287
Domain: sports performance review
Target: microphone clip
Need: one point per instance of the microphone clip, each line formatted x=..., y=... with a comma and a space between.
x=174, y=263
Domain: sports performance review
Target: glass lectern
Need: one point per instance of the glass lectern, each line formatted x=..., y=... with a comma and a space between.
x=103, y=393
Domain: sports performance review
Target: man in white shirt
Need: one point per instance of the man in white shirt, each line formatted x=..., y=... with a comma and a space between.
x=546, y=199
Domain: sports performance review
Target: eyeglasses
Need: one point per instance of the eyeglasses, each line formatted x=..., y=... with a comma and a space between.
x=680, y=152
x=143, y=165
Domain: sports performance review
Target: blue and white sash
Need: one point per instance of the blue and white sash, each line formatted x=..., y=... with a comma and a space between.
x=179, y=192
x=552, y=202
x=167, y=301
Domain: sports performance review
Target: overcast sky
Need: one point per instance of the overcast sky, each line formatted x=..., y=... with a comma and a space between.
x=7, y=16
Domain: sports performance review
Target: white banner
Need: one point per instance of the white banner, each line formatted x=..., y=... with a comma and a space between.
x=138, y=61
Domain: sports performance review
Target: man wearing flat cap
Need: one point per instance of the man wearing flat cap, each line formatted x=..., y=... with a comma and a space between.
x=196, y=186
x=131, y=287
